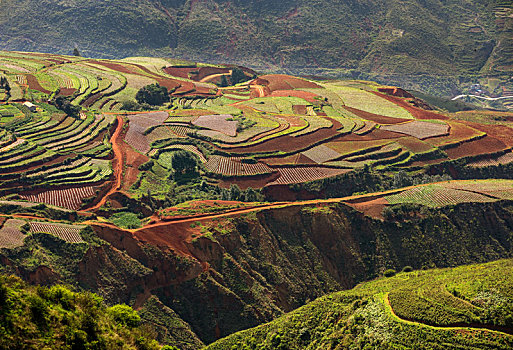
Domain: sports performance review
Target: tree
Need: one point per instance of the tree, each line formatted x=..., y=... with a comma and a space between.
x=76, y=52
x=183, y=162
x=153, y=94
x=224, y=81
x=235, y=192
x=238, y=76
x=64, y=104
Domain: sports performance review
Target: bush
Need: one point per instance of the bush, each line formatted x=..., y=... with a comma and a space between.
x=154, y=95
x=389, y=273
x=125, y=315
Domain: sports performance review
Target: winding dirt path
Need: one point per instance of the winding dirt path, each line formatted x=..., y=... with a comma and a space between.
x=117, y=164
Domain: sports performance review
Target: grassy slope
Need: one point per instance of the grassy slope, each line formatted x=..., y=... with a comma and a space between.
x=363, y=318
x=386, y=36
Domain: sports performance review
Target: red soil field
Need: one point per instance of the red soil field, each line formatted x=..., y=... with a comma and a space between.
x=172, y=236
x=34, y=84
x=291, y=175
x=418, y=113
x=459, y=132
x=298, y=109
x=291, y=120
x=308, y=96
x=380, y=119
x=286, y=82
x=179, y=72
x=486, y=145
x=288, y=143
x=414, y=145
x=500, y=132
x=67, y=91
x=91, y=100
x=204, y=72
x=373, y=208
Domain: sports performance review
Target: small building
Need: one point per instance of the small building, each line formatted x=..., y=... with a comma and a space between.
x=32, y=107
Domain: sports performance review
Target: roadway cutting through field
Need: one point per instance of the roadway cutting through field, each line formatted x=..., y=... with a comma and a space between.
x=117, y=164
x=279, y=205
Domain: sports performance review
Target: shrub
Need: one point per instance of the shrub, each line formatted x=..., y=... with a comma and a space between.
x=125, y=315
x=407, y=269
x=389, y=273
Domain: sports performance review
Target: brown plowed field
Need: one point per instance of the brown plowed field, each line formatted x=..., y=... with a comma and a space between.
x=288, y=143
x=486, y=145
x=34, y=84
x=67, y=91
x=299, y=109
x=414, y=145
x=287, y=82
x=500, y=132
x=373, y=208
x=380, y=119
x=179, y=72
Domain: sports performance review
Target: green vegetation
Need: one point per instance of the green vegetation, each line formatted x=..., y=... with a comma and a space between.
x=56, y=317
x=126, y=220
x=377, y=314
x=154, y=95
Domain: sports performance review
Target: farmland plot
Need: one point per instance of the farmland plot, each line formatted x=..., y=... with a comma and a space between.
x=218, y=123
x=321, y=154
x=70, y=198
x=368, y=102
x=419, y=129
x=234, y=166
x=11, y=235
x=305, y=174
x=68, y=233
x=504, y=159
x=436, y=196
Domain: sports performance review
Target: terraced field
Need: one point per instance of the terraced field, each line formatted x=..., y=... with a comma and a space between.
x=272, y=130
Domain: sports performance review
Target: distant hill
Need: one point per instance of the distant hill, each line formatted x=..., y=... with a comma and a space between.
x=382, y=36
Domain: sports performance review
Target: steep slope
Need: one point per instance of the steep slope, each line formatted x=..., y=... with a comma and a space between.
x=214, y=276
x=407, y=37
x=463, y=308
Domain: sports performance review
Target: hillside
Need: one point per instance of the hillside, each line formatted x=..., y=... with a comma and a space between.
x=463, y=308
x=387, y=37
x=195, y=279
x=57, y=318
x=214, y=199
